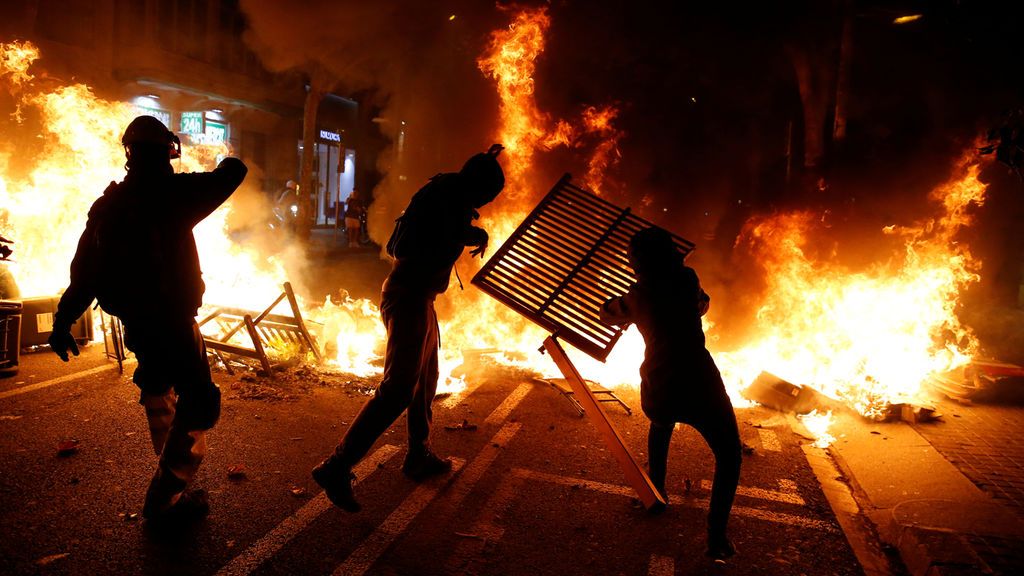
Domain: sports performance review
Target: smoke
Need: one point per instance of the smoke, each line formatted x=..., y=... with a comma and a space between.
x=410, y=65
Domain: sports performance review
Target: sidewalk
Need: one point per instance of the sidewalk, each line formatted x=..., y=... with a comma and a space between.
x=924, y=505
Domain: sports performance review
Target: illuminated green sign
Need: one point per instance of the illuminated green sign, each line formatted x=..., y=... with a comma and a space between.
x=192, y=123
x=216, y=132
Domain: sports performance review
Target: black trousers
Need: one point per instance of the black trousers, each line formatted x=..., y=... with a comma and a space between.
x=180, y=399
x=409, y=381
x=717, y=424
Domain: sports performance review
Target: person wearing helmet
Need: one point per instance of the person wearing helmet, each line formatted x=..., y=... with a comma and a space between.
x=428, y=238
x=679, y=381
x=286, y=207
x=138, y=258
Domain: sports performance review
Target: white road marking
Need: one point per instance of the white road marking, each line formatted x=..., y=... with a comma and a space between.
x=505, y=408
x=618, y=490
x=455, y=399
x=486, y=529
x=59, y=380
x=488, y=454
x=363, y=557
x=661, y=566
x=260, y=551
x=769, y=440
x=788, y=497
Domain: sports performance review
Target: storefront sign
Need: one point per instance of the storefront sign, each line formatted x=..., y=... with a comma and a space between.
x=161, y=115
x=216, y=133
x=330, y=136
x=192, y=123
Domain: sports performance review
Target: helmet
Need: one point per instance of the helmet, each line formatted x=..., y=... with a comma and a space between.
x=149, y=131
x=652, y=248
x=291, y=185
x=485, y=174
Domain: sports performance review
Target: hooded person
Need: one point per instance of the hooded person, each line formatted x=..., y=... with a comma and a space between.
x=679, y=381
x=428, y=238
x=138, y=258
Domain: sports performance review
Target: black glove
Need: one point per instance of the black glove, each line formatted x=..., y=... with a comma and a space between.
x=481, y=247
x=61, y=341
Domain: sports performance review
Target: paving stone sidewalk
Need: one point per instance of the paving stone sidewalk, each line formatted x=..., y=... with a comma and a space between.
x=986, y=443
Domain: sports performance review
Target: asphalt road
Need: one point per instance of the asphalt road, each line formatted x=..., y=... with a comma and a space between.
x=535, y=491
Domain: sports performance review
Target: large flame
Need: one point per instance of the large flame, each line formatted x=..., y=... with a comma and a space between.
x=474, y=321
x=870, y=337
x=45, y=197
x=873, y=337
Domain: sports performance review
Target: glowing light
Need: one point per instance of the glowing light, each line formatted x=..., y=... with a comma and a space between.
x=908, y=19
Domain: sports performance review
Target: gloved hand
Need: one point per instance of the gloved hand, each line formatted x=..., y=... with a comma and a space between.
x=481, y=247
x=61, y=341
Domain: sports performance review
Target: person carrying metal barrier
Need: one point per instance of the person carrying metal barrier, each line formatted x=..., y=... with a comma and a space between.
x=679, y=381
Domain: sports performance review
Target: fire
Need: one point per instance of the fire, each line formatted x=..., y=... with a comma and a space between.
x=475, y=321
x=599, y=122
x=818, y=425
x=45, y=198
x=870, y=338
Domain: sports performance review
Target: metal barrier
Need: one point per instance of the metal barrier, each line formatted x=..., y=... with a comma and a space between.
x=264, y=329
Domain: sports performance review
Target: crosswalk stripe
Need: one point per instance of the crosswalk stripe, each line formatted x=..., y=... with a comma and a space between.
x=762, y=494
x=505, y=408
x=256, y=554
x=363, y=557
x=618, y=490
x=55, y=381
x=486, y=529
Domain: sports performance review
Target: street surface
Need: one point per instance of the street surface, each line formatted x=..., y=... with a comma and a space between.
x=535, y=492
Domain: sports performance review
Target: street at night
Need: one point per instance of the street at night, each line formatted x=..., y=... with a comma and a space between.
x=535, y=493
x=511, y=287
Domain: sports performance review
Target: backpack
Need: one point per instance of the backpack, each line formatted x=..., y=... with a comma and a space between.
x=406, y=239
x=124, y=249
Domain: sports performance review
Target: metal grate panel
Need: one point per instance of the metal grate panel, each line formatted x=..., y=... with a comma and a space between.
x=566, y=259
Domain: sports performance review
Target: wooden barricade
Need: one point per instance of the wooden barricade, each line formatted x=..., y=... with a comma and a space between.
x=264, y=329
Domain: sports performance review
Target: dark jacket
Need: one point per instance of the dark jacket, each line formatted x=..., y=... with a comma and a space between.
x=143, y=226
x=678, y=375
x=431, y=235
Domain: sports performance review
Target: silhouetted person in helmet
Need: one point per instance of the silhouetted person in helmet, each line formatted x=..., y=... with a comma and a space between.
x=679, y=381
x=428, y=238
x=138, y=258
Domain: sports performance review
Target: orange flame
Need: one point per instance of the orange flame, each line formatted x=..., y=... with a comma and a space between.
x=44, y=210
x=870, y=338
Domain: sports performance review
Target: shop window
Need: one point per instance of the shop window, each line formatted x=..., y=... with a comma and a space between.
x=182, y=27
x=67, y=21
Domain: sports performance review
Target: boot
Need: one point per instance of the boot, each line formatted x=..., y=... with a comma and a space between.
x=336, y=480
x=720, y=547
x=422, y=464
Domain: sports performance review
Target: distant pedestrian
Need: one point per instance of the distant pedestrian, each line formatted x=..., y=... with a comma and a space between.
x=355, y=208
x=428, y=238
x=138, y=257
x=679, y=379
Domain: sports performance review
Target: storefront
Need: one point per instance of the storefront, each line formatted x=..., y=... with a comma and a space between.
x=198, y=126
x=334, y=159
